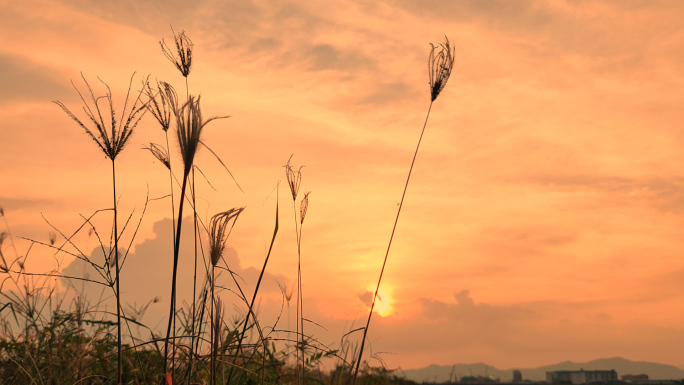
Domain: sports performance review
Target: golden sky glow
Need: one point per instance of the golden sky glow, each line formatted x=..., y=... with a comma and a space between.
x=545, y=210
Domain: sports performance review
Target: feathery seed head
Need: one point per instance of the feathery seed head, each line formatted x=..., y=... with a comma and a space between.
x=440, y=63
x=184, y=49
x=110, y=136
x=53, y=238
x=294, y=178
x=220, y=227
x=304, y=206
x=161, y=102
x=2, y=211
x=189, y=125
x=160, y=153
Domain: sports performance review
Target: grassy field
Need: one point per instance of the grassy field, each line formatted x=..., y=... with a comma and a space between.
x=49, y=337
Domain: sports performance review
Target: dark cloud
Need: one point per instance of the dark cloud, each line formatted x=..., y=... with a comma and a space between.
x=666, y=194
x=149, y=16
x=530, y=14
x=266, y=44
x=366, y=298
x=387, y=93
x=10, y=204
x=22, y=80
x=328, y=57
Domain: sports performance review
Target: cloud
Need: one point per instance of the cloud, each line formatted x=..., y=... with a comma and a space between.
x=146, y=275
x=25, y=80
x=327, y=56
x=666, y=194
x=12, y=204
x=531, y=14
x=366, y=297
x=517, y=335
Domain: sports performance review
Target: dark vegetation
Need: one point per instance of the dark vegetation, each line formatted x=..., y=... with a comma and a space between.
x=52, y=338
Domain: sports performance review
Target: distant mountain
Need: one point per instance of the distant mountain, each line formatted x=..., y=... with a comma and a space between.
x=437, y=373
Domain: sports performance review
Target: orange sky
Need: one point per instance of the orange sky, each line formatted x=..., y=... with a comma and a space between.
x=544, y=217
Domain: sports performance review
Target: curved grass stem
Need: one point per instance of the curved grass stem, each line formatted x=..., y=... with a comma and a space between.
x=389, y=245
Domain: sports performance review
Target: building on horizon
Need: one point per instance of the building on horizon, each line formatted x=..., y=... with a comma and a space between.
x=634, y=377
x=581, y=376
x=517, y=377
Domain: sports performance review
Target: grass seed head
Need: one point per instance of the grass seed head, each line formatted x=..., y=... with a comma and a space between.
x=160, y=153
x=184, y=50
x=304, y=206
x=440, y=63
x=109, y=134
x=220, y=227
x=162, y=102
x=294, y=178
x=189, y=125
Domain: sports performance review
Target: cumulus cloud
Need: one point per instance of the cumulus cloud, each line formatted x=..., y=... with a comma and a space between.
x=146, y=275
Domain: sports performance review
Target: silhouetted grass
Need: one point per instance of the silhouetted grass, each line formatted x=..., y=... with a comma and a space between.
x=45, y=339
x=440, y=64
x=111, y=136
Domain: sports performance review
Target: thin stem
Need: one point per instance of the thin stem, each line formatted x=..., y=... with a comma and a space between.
x=173, y=209
x=212, y=369
x=396, y=220
x=300, y=316
x=194, y=277
x=256, y=290
x=176, y=249
x=301, y=297
x=119, y=371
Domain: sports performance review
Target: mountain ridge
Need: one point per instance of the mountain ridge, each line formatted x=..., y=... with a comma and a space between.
x=442, y=373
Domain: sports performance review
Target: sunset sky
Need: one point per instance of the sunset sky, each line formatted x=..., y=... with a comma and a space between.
x=544, y=220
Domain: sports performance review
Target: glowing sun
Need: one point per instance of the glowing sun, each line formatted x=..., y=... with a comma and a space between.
x=383, y=305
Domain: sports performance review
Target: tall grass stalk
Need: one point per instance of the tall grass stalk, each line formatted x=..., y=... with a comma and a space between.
x=111, y=137
x=182, y=59
x=440, y=64
x=294, y=179
x=220, y=228
x=189, y=125
x=250, y=310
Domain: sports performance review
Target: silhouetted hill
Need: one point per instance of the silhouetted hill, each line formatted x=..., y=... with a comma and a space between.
x=437, y=373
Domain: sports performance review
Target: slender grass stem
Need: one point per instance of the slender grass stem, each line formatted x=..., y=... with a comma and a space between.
x=300, y=315
x=256, y=290
x=176, y=250
x=119, y=369
x=173, y=208
x=396, y=220
x=212, y=369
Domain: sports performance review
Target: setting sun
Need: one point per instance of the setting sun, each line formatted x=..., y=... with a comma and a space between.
x=383, y=305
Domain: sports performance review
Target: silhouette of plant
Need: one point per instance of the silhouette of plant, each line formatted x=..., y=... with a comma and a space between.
x=163, y=102
x=111, y=136
x=184, y=50
x=189, y=125
x=440, y=63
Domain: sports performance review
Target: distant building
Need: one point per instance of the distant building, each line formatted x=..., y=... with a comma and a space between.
x=581, y=376
x=634, y=377
x=517, y=377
